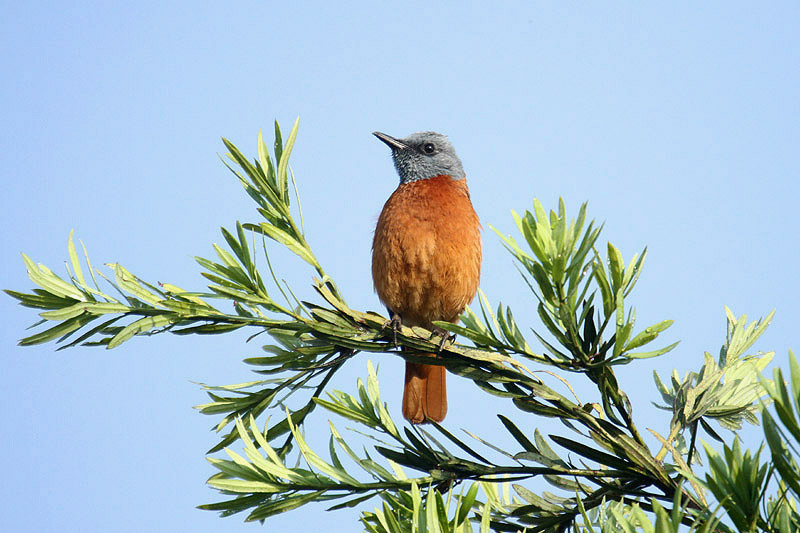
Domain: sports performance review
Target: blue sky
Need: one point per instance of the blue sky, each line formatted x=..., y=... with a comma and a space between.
x=678, y=123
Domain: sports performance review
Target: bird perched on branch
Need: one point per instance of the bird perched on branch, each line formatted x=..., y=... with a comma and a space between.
x=426, y=255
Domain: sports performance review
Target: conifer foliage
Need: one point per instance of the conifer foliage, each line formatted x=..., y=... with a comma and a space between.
x=603, y=474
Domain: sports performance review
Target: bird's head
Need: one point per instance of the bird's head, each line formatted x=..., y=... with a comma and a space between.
x=423, y=155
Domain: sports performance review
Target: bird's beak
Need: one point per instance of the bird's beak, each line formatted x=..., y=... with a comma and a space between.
x=393, y=143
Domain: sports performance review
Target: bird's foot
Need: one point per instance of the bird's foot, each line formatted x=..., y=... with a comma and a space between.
x=444, y=334
x=395, y=323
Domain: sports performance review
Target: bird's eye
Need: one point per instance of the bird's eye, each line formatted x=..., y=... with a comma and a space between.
x=428, y=148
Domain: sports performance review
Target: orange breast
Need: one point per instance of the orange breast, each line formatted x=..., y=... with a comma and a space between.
x=426, y=254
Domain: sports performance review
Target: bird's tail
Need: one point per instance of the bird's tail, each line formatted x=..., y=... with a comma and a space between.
x=425, y=393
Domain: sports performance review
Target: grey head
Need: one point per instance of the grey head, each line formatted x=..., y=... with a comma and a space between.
x=423, y=155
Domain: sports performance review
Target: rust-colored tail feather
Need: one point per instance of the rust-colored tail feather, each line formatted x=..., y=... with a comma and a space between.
x=425, y=393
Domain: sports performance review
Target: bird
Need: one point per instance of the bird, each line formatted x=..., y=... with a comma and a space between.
x=426, y=255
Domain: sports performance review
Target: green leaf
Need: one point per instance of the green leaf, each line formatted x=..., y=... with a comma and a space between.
x=278, y=144
x=465, y=504
x=351, y=503
x=599, y=274
x=283, y=162
x=263, y=154
x=245, y=486
x=552, y=327
x=794, y=369
x=46, y=279
x=654, y=353
x=140, y=326
x=520, y=437
x=40, y=301
x=290, y=242
x=455, y=440
x=648, y=334
x=616, y=267
x=130, y=283
x=316, y=461
x=591, y=453
x=633, y=271
x=282, y=505
x=99, y=308
x=623, y=328
x=102, y=327
x=405, y=458
x=58, y=331
x=536, y=502
x=73, y=257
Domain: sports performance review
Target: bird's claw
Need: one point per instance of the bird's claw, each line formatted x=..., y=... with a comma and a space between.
x=395, y=323
x=444, y=334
